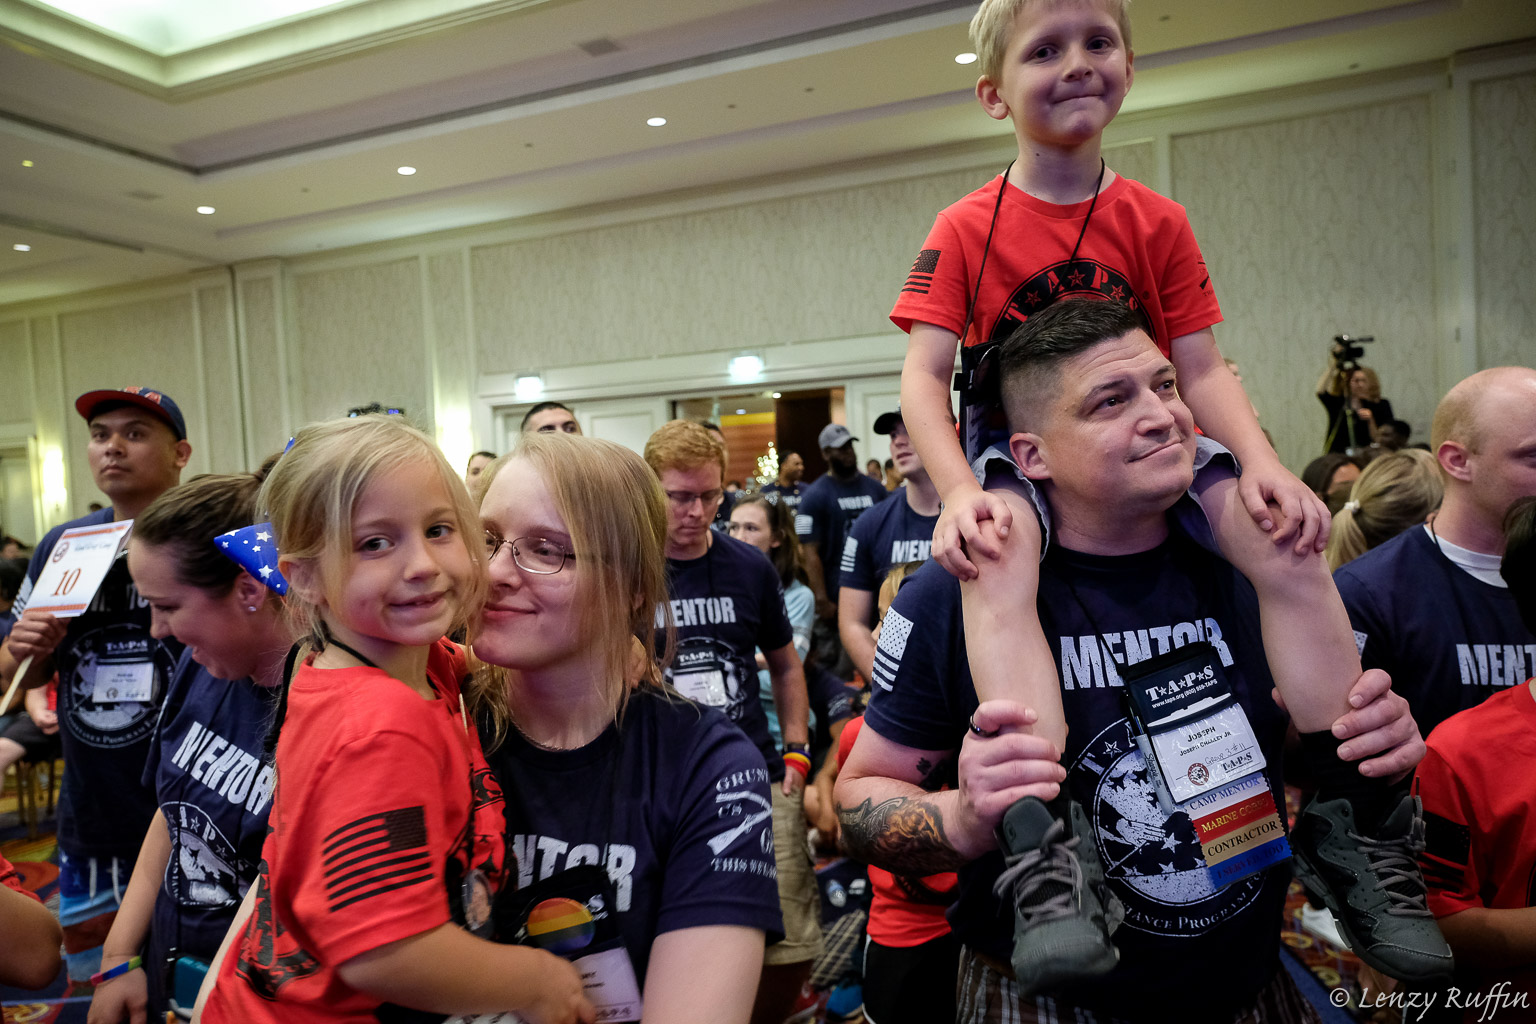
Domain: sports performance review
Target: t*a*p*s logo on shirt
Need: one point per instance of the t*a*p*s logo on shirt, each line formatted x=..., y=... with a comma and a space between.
x=1075, y=279
x=1153, y=858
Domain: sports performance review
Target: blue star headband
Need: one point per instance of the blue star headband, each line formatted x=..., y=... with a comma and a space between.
x=254, y=549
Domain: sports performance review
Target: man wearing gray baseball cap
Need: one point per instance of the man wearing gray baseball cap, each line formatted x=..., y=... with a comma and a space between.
x=827, y=512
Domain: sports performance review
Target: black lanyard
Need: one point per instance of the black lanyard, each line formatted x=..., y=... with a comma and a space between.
x=970, y=309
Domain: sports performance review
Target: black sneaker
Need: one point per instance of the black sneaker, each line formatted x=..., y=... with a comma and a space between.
x=1373, y=886
x=1063, y=913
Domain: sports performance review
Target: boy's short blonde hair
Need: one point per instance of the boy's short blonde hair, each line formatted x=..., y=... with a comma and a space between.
x=312, y=491
x=992, y=27
x=684, y=445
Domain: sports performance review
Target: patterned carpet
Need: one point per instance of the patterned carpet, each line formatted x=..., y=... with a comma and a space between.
x=35, y=860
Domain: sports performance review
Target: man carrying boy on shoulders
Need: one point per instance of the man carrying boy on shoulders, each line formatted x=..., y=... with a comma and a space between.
x=1059, y=224
x=1128, y=586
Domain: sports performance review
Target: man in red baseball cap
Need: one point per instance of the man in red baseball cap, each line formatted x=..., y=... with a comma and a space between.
x=138, y=447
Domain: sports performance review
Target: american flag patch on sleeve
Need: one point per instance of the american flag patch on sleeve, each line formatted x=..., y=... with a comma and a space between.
x=921, y=276
x=375, y=855
x=894, y=632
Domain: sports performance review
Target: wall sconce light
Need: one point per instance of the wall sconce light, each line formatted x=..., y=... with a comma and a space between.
x=745, y=368
x=529, y=387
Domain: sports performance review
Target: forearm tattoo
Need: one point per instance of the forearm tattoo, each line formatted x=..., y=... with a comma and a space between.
x=902, y=834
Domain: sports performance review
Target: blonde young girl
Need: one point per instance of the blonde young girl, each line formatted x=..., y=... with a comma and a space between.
x=382, y=793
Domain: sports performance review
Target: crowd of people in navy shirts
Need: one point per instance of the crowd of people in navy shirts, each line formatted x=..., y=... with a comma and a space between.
x=363, y=735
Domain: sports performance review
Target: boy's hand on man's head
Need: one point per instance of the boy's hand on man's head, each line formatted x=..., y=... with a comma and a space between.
x=1302, y=514
x=972, y=523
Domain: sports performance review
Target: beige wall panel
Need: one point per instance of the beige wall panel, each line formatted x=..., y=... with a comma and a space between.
x=260, y=320
x=1135, y=160
x=447, y=295
x=222, y=440
x=150, y=343
x=358, y=339
x=826, y=265
x=16, y=358
x=1312, y=227
x=1504, y=198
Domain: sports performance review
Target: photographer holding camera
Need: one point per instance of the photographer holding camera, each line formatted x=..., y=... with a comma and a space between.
x=1352, y=395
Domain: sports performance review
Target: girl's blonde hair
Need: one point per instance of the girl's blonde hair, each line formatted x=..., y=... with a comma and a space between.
x=312, y=492
x=617, y=517
x=892, y=583
x=1393, y=493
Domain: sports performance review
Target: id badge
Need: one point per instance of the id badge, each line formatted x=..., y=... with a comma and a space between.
x=573, y=914
x=1199, y=734
x=707, y=686
x=124, y=682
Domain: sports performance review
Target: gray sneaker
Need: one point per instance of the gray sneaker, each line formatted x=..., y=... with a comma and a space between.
x=1373, y=886
x=1063, y=913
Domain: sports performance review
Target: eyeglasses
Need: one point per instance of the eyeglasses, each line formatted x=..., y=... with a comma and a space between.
x=685, y=499
x=538, y=555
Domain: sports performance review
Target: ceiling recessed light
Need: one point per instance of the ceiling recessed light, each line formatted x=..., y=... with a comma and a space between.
x=965, y=58
x=22, y=247
x=26, y=163
x=741, y=412
x=778, y=394
x=655, y=122
x=406, y=170
x=205, y=210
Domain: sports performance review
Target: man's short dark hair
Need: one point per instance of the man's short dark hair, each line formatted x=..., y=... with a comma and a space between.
x=542, y=407
x=1519, y=565
x=1029, y=357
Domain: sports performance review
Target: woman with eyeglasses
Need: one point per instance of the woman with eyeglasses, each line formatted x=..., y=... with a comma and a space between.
x=641, y=821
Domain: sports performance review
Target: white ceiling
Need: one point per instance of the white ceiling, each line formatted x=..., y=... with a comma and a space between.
x=293, y=129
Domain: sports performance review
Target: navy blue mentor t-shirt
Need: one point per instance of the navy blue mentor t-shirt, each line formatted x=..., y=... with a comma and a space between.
x=104, y=807
x=828, y=509
x=1183, y=943
x=214, y=785
x=1448, y=640
x=727, y=604
x=788, y=496
x=888, y=535
x=673, y=802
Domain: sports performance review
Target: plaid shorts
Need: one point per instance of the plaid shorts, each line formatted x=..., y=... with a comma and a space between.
x=985, y=996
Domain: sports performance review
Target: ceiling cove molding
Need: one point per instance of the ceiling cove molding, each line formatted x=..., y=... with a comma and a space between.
x=278, y=48
x=672, y=72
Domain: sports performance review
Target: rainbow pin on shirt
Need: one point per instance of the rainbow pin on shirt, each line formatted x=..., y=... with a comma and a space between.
x=561, y=926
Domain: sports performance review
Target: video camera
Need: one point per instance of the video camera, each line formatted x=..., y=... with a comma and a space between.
x=1347, y=350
